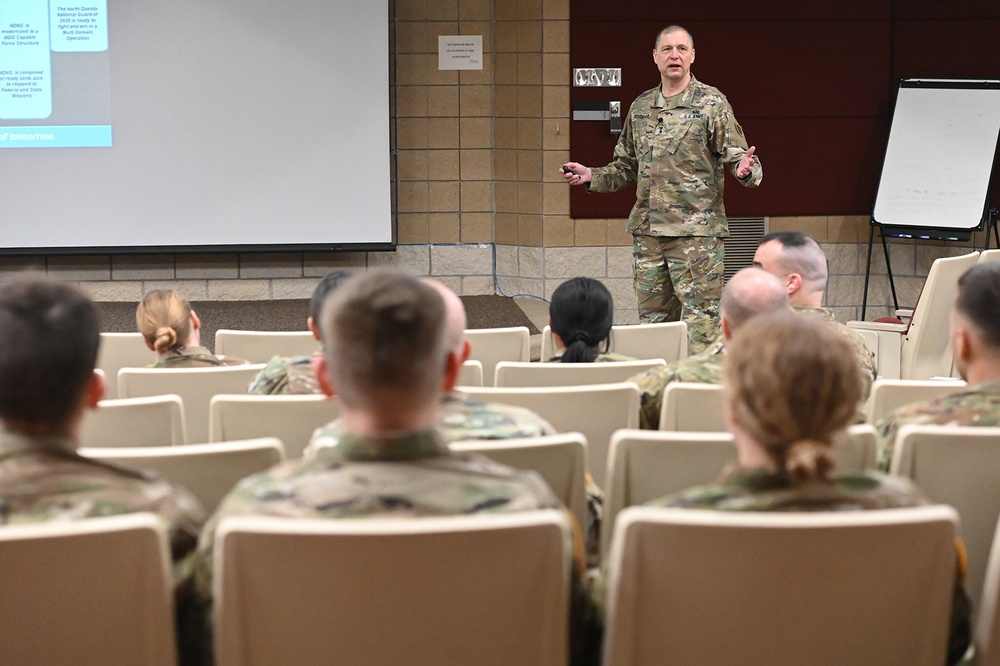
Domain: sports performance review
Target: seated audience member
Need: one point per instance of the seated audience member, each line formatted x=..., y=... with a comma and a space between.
x=751, y=291
x=581, y=315
x=800, y=263
x=293, y=375
x=49, y=335
x=974, y=328
x=173, y=331
x=459, y=418
x=388, y=358
x=791, y=386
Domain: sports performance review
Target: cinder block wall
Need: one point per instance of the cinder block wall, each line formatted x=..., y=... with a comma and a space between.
x=480, y=201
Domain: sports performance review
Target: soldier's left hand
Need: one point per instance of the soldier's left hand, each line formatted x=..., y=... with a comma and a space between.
x=746, y=164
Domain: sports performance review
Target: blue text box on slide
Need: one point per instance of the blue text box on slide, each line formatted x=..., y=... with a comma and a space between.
x=79, y=26
x=25, y=60
x=69, y=136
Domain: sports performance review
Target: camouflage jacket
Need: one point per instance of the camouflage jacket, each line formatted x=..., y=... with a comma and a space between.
x=703, y=368
x=674, y=150
x=606, y=357
x=459, y=419
x=44, y=479
x=194, y=357
x=977, y=405
x=866, y=358
x=286, y=375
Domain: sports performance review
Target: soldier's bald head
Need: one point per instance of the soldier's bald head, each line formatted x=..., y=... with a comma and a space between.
x=978, y=302
x=750, y=292
x=785, y=253
x=672, y=29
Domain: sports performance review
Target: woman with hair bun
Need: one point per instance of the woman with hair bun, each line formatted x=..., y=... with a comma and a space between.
x=792, y=384
x=580, y=316
x=172, y=329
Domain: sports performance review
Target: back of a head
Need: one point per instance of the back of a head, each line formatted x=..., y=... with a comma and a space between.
x=384, y=339
x=330, y=282
x=752, y=291
x=456, y=319
x=581, y=314
x=49, y=335
x=164, y=319
x=792, y=383
x=801, y=254
x=978, y=301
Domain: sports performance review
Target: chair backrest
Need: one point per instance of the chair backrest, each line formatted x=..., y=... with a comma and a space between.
x=560, y=459
x=260, y=346
x=986, y=627
x=666, y=340
x=692, y=407
x=829, y=588
x=509, y=373
x=209, y=471
x=452, y=590
x=989, y=255
x=926, y=349
x=888, y=395
x=153, y=421
x=492, y=345
x=644, y=465
x=121, y=350
x=594, y=410
x=94, y=591
x=958, y=466
x=195, y=386
x=290, y=418
x=470, y=374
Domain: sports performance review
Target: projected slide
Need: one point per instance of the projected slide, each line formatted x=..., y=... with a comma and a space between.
x=55, y=89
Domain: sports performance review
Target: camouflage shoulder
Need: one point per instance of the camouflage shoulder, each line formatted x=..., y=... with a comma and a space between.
x=468, y=419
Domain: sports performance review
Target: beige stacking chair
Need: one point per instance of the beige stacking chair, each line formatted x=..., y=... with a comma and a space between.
x=121, y=350
x=94, y=591
x=195, y=386
x=470, y=374
x=667, y=340
x=260, y=346
x=755, y=589
x=426, y=591
x=595, y=410
x=290, y=418
x=510, y=373
x=958, y=466
x=492, y=345
x=560, y=459
x=888, y=395
x=692, y=407
x=209, y=471
x=154, y=421
x=986, y=626
x=922, y=346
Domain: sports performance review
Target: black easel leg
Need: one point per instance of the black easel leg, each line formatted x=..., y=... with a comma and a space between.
x=868, y=270
x=888, y=270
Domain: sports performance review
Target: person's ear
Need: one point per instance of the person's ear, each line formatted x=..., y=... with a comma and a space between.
x=195, y=322
x=321, y=371
x=313, y=328
x=727, y=329
x=962, y=345
x=96, y=388
x=793, y=282
x=452, y=366
x=466, y=350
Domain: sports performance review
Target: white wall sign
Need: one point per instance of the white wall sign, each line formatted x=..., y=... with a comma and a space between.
x=460, y=52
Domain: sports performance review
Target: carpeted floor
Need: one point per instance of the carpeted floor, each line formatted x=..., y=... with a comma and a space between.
x=291, y=315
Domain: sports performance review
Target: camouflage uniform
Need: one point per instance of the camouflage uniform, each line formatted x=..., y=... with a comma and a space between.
x=969, y=406
x=459, y=419
x=765, y=490
x=286, y=375
x=410, y=474
x=674, y=150
x=607, y=357
x=194, y=357
x=866, y=359
x=704, y=368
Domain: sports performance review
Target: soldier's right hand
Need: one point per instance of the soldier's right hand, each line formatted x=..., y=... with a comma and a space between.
x=575, y=173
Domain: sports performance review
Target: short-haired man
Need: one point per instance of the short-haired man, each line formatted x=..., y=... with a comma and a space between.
x=49, y=335
x=459, y=418
x=751, y=291
x=974, y=327
x=387, y=356
x=293, y=375
x=800, y=263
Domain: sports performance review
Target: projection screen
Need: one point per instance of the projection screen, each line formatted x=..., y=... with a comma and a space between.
x=190, y=125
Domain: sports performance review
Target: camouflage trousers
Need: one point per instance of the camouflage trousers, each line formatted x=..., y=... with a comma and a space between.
x=680, y=278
